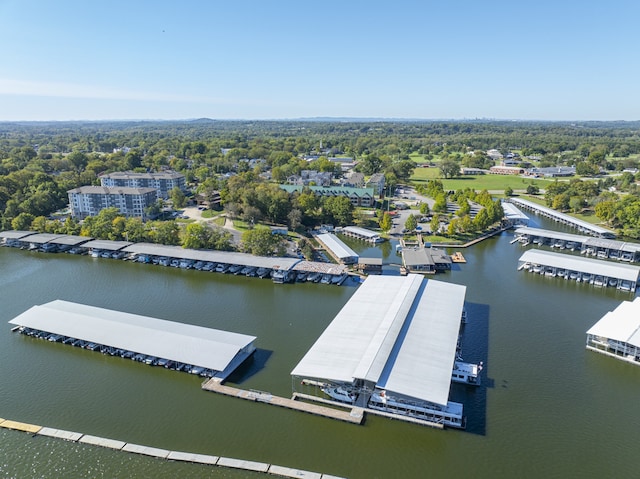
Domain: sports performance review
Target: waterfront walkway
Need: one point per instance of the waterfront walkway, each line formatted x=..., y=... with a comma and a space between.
x=162, y=453
x=355, y=416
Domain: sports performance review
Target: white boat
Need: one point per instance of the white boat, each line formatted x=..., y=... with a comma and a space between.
x=448, y=415
x=326, y=278
x=339, y=393
x=235, y=269
x=466, y=373
x=262, y=272
x=625, y=285
x=222, y=268
x=613, y=282
x=626, y=257
x=574, y=275
x=278, y=276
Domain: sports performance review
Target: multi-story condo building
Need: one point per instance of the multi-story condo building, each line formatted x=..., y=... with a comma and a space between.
x=163, y=181
x=90, y=200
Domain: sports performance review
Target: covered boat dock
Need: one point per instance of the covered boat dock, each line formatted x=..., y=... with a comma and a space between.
x=336, y=248
x=617, y=333
x=587, y=245
x=195, y=349
x=392, y=349
x=361, y=234
x=583, y=226
x=585, y=270
x=513, y=216
x=14, y=238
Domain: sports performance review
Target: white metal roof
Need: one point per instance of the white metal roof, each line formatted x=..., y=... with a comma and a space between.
x=511, y=212
x=551, y=212
x=227, y=257
x=185, y=343
x=41, y=238
x=71, y=240
x=107, y=245
x=338, y=248
x=13, y=234
x=526, y=230
x=365, y=233
x=421, y=367
x=400, y=332
x=586, y=240
x=621, y=324
x=583, y=265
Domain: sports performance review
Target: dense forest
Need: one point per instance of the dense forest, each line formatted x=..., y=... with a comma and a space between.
x=41, y=161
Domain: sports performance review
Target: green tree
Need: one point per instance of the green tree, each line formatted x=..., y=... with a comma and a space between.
x=424, y=208
x=533, y=190
x=165, y=232
x=22, y=222
x=295, y=218
x=482, y=220
x=386, y=222
x=449, y=168
x=338, y=209
x=178, y=198
x=576, y=203
x=259, y=241
x=194, y=236
x=508, y=191
x=435, y=224
x=440, y=204
x=411, y=223
x=135, y=231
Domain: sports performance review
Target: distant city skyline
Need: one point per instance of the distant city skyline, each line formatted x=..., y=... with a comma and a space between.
x=558, y=61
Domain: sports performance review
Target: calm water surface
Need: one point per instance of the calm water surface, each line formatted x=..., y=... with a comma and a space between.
x=548, y=407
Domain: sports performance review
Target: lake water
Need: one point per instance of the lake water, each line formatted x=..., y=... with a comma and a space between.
x=547, y=408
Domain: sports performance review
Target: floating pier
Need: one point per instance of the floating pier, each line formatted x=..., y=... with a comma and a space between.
x=355, y=416
x=163, y=453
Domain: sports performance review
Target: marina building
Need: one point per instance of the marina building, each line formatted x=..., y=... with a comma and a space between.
x=336, y=248
x=585, y=270
x=582, y=226
x=163, y=182
x=195, y=349
x=587, y=245
x=425, y=260
x=617, y=333
x=90, y=200
x=392, y=349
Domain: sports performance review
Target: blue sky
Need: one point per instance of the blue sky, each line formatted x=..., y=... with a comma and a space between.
x=139, y=59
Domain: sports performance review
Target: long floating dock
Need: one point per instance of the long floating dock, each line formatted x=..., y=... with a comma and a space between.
x=163, y=453
x=355, y=416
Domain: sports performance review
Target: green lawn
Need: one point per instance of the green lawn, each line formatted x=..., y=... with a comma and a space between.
x=478, y=182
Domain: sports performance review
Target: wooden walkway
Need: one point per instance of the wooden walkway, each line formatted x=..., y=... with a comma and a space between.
x=355, y=416
x=227, y=462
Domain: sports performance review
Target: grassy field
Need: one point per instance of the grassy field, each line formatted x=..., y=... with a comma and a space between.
x=479, y=182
